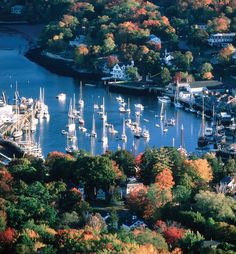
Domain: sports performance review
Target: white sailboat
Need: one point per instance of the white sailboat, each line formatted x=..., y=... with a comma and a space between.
x=18, y=132
x=128, y=110
x=81, y=101
x=124, y=136
x=146, y=134
x=104, y=132
x=177, y=104
x=93, y=132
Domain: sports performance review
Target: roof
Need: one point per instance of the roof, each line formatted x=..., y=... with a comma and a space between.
x=208, y=84
x=227, y=179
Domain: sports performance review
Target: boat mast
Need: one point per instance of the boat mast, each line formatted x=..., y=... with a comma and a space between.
x=81, y=95
x=203, y=117
x=182, y=136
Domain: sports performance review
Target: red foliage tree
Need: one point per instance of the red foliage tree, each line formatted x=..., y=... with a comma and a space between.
x=172, y=234
x=112, y=60
x=8, y=236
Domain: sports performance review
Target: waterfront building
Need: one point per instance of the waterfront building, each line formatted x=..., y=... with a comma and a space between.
x=119, y=72
x=17, y=9
x=221, y=39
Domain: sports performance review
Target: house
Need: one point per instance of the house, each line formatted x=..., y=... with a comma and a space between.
x=167, y=58
x=201, y=26
x=229, y=182
x=154, y=40
x=119, y=72
x=221, y=39
x=17, y=9
x=132, y=223
x=132, y=184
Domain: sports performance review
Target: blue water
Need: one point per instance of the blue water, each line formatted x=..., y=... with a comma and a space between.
x=14, y=66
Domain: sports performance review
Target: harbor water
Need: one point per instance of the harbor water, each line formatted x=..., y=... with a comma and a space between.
x=15, y=67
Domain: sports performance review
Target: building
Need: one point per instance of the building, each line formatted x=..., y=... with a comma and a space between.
x=167, y=58
x=153, y=39
x=221, y=39
x=119, y=72
x=132, y=223
x=17, y=9
x=229, y=182
x=201, y=26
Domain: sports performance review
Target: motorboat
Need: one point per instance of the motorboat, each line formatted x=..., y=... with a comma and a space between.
x=112, y=130
x=61, y=96
x=157, y=125
x=208, y=131
x=122, y=109
x=64, y=132
x=164, y=99
x=82, y=129
x=119, y=99
x=146, y=134
x=139, y=106
x=17, y=134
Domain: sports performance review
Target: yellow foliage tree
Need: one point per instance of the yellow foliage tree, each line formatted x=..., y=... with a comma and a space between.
x=202, y=167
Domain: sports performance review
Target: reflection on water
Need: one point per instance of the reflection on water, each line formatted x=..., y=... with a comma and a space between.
x=30, y=77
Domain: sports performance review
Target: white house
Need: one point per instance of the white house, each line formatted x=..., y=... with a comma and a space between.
x=167, y=58
x=221, y=39
x=134, y=223
x=17, y=9
x=229, y=182
x=119, y=72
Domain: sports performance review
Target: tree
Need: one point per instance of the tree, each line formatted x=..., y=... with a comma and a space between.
x=181, y=194
x=126, y=162
x=132, y=73
x=112, y=60
x=164, y=179
x=165, y=76
x=80, y=53
x=216, y=205
x=202, y=167
x=192, y=241
x=225, y=54
x=94, y=172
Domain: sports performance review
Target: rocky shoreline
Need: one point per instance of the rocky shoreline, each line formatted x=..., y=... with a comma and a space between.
x=60, y=67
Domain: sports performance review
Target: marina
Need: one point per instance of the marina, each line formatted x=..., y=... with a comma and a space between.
x=98, y=119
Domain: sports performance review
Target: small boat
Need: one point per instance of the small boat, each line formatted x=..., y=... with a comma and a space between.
x=82, y=129
x=95, y=106
x=208, y=131
x=119, y=99
x=165, y=130
x=164, y=99
x=171, y=122
x=146, y=120
x=64, y=132
x=81, y=121
x=122, y=109
x=139, y=106
x=61, y=96
x=157, y=125
x=178, y=105
x=112, y=130
x=145, y=134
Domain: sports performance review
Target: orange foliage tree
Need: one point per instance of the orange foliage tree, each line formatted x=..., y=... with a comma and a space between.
x=202, y=169
x=164, y=179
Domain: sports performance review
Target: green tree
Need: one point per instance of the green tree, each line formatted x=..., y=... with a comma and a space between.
x=165, y=76
x=216, y=205
x=126, y=162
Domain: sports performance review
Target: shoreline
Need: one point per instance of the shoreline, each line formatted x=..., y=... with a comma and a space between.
x=59, y=66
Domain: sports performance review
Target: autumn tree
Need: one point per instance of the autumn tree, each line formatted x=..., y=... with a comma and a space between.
x=165, y=76
x=225, y=54
x=202, y=169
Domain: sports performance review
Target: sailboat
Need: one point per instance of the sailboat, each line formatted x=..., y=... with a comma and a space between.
x=81, y=101
x=128, y=107
x=18, y=132
x=202, y=140
x=177, y=104
x=72, y=143
x=123, y=136
x=93, y=132
x=146, y=134
x=104, y=133
x=162, y=111
x=137, y=130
